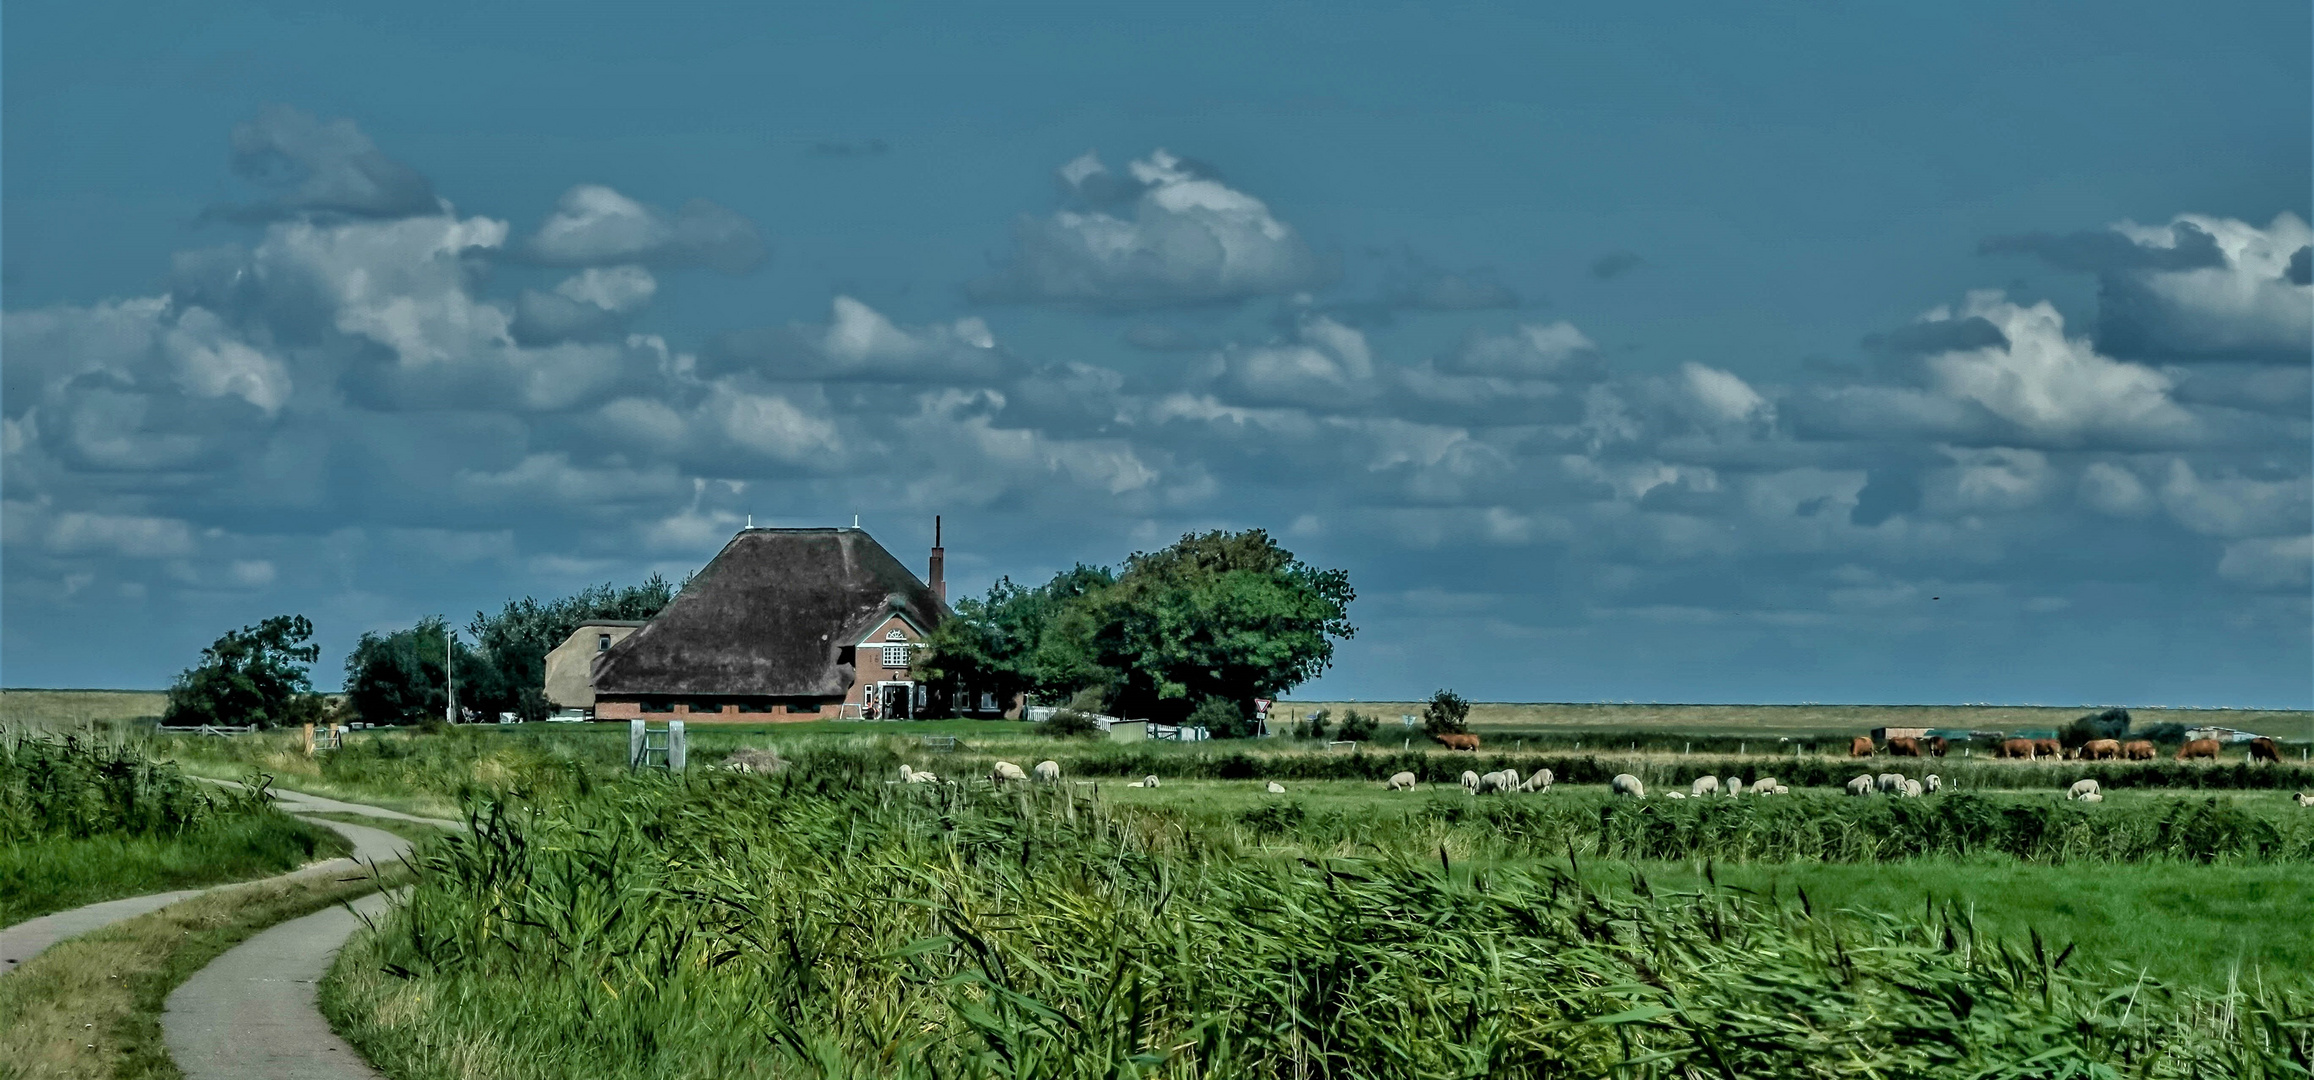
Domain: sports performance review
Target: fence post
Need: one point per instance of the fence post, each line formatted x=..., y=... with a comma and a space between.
x=675, y=746
x=635, y=742
x=309, y=740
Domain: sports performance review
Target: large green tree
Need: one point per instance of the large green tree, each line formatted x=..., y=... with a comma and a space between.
x=397, y=678
x=1010, y=641
x=515, y=641
x=254, y=675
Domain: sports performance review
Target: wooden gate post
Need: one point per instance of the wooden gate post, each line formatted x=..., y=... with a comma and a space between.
x=309, y=740
x=635, y=742
x=675, y=746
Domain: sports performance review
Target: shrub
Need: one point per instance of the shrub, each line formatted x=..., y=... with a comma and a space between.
x=1447, y=714
x=1071, y=724
x=2109, y=724
x=1222, y=719
x=1315, y=726
x=1357, y=727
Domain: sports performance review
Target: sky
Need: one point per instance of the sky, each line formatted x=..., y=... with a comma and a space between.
x=1649, y=352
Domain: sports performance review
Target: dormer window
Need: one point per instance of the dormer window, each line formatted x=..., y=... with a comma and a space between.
x=602, y=642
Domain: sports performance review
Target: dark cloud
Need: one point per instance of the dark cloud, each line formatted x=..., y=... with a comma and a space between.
x=1940, y=335
x=322, y=167
x=1615, y=264
x=2301, y=271
x=2105, y=251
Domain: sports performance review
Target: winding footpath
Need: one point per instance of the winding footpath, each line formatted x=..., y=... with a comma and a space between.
x=252, y=1014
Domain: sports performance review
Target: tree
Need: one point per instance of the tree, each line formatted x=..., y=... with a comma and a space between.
x=1447, y=714
x=254, y=675
x=2108, y=724
x=1357, y=727
x=515, y=641
x=1012, y=642
x=1315, y=726
x=1223, y=719
x=397, y=678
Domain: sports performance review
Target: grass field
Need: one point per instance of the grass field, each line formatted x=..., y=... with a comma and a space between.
x=53, y=874
x=1510, y=719
x=78, y=709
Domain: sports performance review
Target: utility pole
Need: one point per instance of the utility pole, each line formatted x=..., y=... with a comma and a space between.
x=449, y=674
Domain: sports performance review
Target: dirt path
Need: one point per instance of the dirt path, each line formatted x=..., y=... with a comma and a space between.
x=26, y=939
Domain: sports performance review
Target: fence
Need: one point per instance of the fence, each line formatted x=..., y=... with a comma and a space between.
x=656, y=748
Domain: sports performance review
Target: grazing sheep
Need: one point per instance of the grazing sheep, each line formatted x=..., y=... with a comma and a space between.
x=1934, y=781
x=918, y=776
x=1505, y=781
x=1403, y=781
x=1862, y=785
x=1735, y=786
x=1765, y=785
x=1136, y=783
x=1889, y=781
x=1674, y=794
x=2199, y=748
x=1782, y=790
x=2303, y=799
x=751, y=759
x=1149, y=781
x=1627, y=784
x=1276, y=788
x=1048, y=772
x=1005, y=771
x=906, y=773
x=1912, y=789
x=2093, y=797
x=1470, y=781
x=1540, y=781
x=2139, y=750
x=1704, y=785
x=2081, y=788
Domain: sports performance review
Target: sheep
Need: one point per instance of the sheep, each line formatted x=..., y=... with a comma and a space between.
x=1912, y=789
x=1765, y=785
x=1048, y=772
x=1276, y=788
x=919, y=776
x=1735, y=786
x=1627, y=784
x=2081, y=788
x=1889, y=781
x=1470, y=781
x=1933, y=782
x=1505, y=780
x=907, y=775
x=1862, y=785
x=1782, y=790
x=1136, y=783
x=1674, y=794
x=1704, y=785
x=1540, y=781
x=1005, y=771
x=2093, y=797
x=1402, y=781
x=2303, y=799
x=1149, y=781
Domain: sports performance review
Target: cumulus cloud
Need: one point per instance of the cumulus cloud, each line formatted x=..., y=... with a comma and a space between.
x=594, y=225
x=2274, y=562
x=2199, y=289
x=1189, y=239
x=323, y=167
x=860, y=343
x=1326, y=364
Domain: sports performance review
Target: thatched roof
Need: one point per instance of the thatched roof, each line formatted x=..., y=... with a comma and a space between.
x=769, y=617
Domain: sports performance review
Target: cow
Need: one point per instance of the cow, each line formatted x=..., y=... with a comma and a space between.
x=2199, y=748
x=1455, y=741
x=1936, y=745
x=2049, y=748
x=2101, y=750
x=1860, y=746
x=2139, y=750
x=2264, y=749
x=2015, y=748
x=1903, y=746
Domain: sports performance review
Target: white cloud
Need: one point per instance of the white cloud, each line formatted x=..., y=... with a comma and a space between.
x=1713, y=396
x=2050, y=386
x=2244, y=308
x=130, y=536
x=1327, y=364
x=2269, y=562
x=596, y=225
x=1546, y=351
x=328, y=167
x=2110, y=489
x=617, y=289
x=1191, y=239
x=2235, y=506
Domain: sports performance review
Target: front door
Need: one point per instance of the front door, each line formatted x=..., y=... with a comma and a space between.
x=897, y=700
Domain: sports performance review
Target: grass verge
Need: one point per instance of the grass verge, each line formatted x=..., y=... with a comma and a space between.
x=91, y=1006
x=57, y=873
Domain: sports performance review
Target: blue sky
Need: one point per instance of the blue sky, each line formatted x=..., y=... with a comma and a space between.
x=1666, y=352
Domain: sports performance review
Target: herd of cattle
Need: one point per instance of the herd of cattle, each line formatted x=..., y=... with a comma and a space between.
x=2261, y=749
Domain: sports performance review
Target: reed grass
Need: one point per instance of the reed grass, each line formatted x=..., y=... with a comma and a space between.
x=822, y=923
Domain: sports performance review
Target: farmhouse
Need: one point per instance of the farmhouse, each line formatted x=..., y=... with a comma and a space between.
x=570, y=666
x=783, y=624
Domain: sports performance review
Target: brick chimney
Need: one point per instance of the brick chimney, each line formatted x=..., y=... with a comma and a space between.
x=939, y=580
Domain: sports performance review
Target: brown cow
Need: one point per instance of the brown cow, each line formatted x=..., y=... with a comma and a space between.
x=2015, y=748
x=1903, y=746
x=2139, y=750
x=1936, y=745
x=1459, y=742
x=2101, y=750
x=2199, y=748
x=2048, y=748
x=1860, y=746
x=2263, y=749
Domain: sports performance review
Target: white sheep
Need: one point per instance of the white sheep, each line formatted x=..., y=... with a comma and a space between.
x=2082, y=788
x=1912, y=789
x=1470, y=781
x=1276, y=788
x=1137, y=783
x=2303, y=799
x=1400, y=781
x=1704, y=785
x=2093, y=797
x=1889, y=781
x=1862, y=785
x=1505, y=781
x=1540, y=781
x=1674, y=794
x=1735, y=786
x=919, y=776
x=906, y=774
x=1149, y=781
x=1627, y=784
x=1005, y=771
x=1782, y=790
x=1048, y=772
x=1765, y=785
x=1933, y=782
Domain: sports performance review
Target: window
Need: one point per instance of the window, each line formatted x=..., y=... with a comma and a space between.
x=896, y=656
x=602, y=642
x=895, y=635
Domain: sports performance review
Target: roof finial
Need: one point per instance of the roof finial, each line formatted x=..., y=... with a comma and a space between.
x=855, y=521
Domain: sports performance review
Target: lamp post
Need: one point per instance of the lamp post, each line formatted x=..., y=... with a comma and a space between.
x=449, y=674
